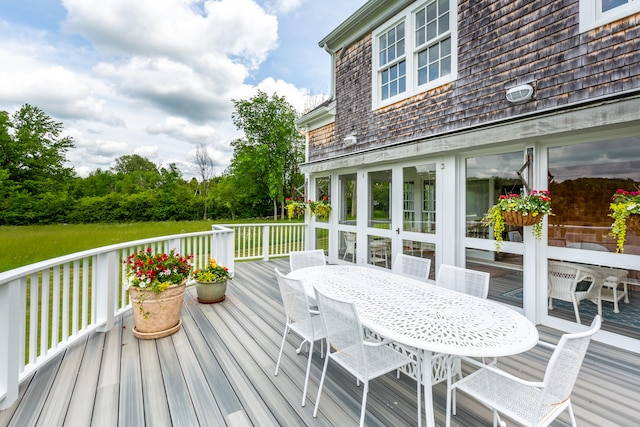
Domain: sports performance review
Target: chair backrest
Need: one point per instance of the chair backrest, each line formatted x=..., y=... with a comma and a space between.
x=344, y=332
x=302, y=259
x=412, y=266
x=350, y=240
x=564, y=366
x=460, y=279
x=563, y=278
x=294, y=299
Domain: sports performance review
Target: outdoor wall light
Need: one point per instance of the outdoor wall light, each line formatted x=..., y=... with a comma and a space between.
x=519, y=94
x=350, y=140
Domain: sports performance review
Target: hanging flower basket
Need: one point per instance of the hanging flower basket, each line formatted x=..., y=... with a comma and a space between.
x=519, y=210
x=320, y=209
x=295, y=208
x=516, y=218
x=633, y=222
x=625, y=211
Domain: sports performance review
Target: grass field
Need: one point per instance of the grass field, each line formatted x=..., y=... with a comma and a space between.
x=28, y=244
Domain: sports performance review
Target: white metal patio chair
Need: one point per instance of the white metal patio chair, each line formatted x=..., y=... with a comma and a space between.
x=412, y=267
x=574, y=283
x=529, y=403
x=310, y=258
x=460, y=279
x=346, y=346
x=299, y=319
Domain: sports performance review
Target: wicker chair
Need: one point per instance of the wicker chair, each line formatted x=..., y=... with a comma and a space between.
x=350, y=243
x=302, y=259
x=299, y=320
x=574, y=283
x=411, y=266
x=526, y=402
x=464, y=280
x=363, y=359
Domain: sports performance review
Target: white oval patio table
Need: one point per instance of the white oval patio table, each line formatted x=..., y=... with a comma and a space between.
x=424, y=316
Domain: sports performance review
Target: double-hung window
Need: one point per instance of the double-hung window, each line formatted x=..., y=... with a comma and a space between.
x=414, y=51
x=596, y=13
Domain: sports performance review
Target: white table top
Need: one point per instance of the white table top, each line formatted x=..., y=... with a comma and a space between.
x=422, y=315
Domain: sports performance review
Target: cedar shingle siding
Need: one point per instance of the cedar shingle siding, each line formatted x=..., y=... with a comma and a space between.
x=500, y=44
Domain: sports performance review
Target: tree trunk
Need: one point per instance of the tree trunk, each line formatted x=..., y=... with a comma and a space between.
x=275, y=210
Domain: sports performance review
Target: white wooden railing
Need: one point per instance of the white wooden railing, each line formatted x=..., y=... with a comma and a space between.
x=261, y=241
x=46, y=306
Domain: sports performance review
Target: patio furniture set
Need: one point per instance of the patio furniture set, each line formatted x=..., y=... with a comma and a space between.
x=376, y=321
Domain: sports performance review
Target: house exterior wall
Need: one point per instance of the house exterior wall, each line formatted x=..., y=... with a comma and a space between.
x=500, y=45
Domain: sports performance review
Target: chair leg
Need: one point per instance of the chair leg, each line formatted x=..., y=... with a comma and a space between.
x=573, y=418
x=575, y=308
x=284, y=338
x=363, y=410
x=324, y=373
x=306, y=377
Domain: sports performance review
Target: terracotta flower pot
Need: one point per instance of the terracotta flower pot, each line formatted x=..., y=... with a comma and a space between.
x=516, y=218
x=156, y=315
x=211, y=292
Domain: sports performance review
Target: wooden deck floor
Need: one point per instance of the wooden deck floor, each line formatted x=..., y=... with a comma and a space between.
x=218, y=370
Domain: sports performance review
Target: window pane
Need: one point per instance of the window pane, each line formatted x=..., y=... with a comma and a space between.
x=380, y=199
x=400, y=30
x=445, y=66
x=348, y=248
x=432, y=30
x=611, y=4
x=432, y=11
x=400, y=47
x=420, y=18
x=445, y=47
x=380, y=251
x=506, y=279
x=583, y=178
x=419, y=206
x=487, y=178
x=420, y=36
x=385, y=77
x=443, y=23
x=391, y=35
x=322, y=193
x=402, y=84
x=322, y=240
x=348, y=201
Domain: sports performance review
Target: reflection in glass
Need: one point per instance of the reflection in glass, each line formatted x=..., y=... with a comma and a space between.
x=422, y=250
x=505, y=269
x=348, y=199
x=322, y=240
x=380, y=251
x=347, y=250
x=323, y=186
x=488, y=177
x=419, y=199
x=380, y=199
x=582, y=180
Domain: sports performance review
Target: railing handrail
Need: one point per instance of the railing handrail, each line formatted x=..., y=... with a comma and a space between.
x=7, y=276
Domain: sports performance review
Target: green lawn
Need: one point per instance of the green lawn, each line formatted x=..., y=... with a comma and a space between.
x=28, y=244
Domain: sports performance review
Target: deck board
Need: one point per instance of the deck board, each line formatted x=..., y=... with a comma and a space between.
x=218, y=370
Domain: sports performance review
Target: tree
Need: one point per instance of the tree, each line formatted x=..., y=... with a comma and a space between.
x=33, y=152
x=204, y=165
x=268, y=124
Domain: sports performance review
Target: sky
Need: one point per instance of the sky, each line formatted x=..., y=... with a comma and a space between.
x=157, y=77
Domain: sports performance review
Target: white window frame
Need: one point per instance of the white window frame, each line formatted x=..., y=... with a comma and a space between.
x=591, y=16
x=410, y=56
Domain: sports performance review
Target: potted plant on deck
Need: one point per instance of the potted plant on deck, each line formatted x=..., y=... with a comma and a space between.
x=211, y=282
x=625, y=211
x=156, y=284
x=519, y=210
x=321, y=209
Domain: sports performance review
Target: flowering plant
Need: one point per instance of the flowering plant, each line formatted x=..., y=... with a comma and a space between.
x=321, y=208
x=536, y=203
x=295, y=208
x=212, y=273
x=625, y=203
x=156, y=272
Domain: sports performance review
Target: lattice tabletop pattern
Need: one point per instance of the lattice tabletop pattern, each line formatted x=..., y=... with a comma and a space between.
x=422, y=315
